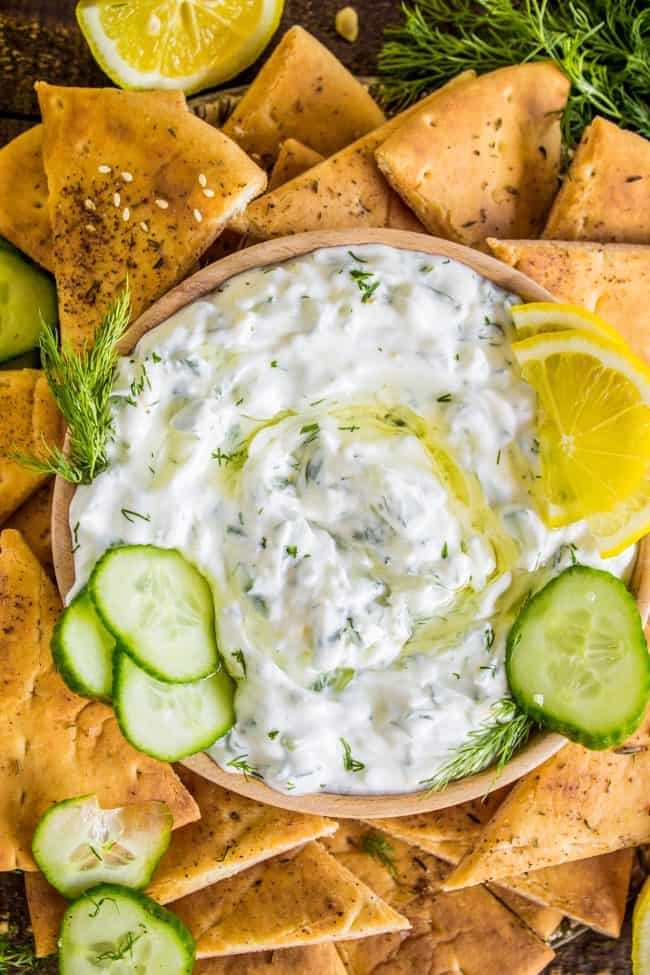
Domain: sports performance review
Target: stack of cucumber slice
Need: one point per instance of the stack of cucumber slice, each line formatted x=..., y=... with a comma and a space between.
x=142, y=634
x=104, y=858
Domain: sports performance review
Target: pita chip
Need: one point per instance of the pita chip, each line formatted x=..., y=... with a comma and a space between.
x=592, y=891
x=346, y=190
x=302, y=92
x=293, y=159
x=316, y=960
x=612, y=280
x=482, y=160
x=28, y=417
x=476, y=935
x=46, y=909
x=138, y=187
x=304, y=897
x=56, y=745
x=33, y=519
x=606, y=193
x=577, y=804
x=24, y=210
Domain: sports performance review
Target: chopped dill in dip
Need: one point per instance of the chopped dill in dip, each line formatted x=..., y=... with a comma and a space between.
x=344, y=448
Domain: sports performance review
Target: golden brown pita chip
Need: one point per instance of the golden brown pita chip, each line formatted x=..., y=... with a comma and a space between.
x=46, y=909
x=32, y=520
x=56, y=745
x=293, y=159
x=612, y=280
x=542, y=921
x=474, y=935
x=578, y=804
x=606, y=193
x=303, y=897
x=315, y=960
x=137, y=187
x=302, y=92
x=24, y=211
x=483, y=159
x=346, y=190
x=28, y=417
x=233, y=833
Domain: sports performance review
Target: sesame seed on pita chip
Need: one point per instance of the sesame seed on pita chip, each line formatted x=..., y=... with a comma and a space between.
x=482, y=160
x=606, y=193
x=612, y=280
x=28, y=419
x=153, y=224
x=56, y=745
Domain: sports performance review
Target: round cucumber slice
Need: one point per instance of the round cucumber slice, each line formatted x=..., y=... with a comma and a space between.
x=116, y=930
x=78, y=845
x=171, y=721
x=577, y=660
x=27, y=295
x=159, y=608
x=82, y=649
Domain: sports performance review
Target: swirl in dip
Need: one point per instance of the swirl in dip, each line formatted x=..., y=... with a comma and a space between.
x=343, y=446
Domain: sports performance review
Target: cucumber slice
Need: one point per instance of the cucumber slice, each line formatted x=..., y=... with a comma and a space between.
x=115, y=930
x=577, y=660
x=78, y=845
x=82, y=649
x=27, y=295
x=159, y=608
x=171, y=721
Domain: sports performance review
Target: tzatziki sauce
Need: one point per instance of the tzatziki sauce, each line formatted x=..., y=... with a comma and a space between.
x=343, y=446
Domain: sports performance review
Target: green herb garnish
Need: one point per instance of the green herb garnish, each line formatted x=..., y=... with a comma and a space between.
x=378, y=847
x=81, y=384
x=493, y=743
x=338, y=679
x=131, y=515
x=365, y=284
x=242, y=765
x=603, y=46
x=17, y=954
x=350, y=764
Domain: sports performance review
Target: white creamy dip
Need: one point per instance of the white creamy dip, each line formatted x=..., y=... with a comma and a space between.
x=343, y=446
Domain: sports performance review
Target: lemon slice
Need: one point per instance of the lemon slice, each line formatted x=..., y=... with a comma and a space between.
x=188, y=44
x=549, y=316
x=641, y=932
x=594, y=430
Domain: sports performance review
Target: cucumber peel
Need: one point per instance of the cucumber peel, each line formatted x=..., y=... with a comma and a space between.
x=577, y=660
x=78, y=845
x=82, y=649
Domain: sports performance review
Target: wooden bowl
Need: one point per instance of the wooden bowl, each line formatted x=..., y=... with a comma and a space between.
x=539, y=748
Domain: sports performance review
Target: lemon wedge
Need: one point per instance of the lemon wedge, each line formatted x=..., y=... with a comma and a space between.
x=549, y=316
x=187, y=44
x=594, y=432
x=641, y=932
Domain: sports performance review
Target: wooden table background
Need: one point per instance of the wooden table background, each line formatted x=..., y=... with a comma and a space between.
x=39, y=39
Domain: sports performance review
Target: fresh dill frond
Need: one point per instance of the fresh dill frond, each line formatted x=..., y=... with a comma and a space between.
x=81, y=384
x=350, y=764
x=17, y=954
x=493, y=743
x=242, y=765
x=378, y=847
x=603, y=46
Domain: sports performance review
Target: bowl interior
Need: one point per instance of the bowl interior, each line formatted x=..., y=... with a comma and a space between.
x=543, y=745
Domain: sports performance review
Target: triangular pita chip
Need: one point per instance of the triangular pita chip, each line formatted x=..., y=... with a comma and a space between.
x=578, y=804
x=24, y=211
x=137, y=188
x=346, y=190
x=475, y=935
x=33, y=520
x=28, y=416
x=482, y=160
x=612, y=280
x=606, y=193
x=233, y=833
x=302, y=92
x=293, y=159
x=303, y=897
x=592, y=891
x=542, y=921
x=56, y=745
x=315, y=960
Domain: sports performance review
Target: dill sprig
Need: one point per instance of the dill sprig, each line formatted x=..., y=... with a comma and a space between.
x=603, y=46
x=379, y=848
x=16, y=954
x=81, y=384
x=493, y=743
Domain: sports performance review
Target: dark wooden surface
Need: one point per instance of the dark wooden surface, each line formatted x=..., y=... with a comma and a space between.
x=39, y=39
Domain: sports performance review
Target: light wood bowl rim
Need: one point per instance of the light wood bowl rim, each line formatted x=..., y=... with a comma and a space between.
x=543, y=745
